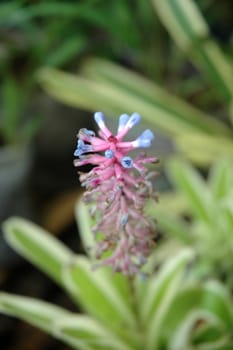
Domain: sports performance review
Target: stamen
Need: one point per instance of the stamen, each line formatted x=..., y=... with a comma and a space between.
x=127, y=162
x=133, y=120
x=124, y=219
x=99, y=119
x=82, y=147
x=104, y=131
x=144, y=140
x=87, y=132
x=122, y=121
x=109, y=153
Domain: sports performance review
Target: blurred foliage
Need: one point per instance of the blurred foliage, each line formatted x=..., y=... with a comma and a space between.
x=121, y=313
x=109, y=87
x=204, y=221
x=59, y=34
x=188, y=28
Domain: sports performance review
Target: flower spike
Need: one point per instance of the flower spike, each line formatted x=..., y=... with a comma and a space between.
x=118, y=186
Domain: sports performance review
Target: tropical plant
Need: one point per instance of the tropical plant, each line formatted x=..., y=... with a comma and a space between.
x=199, y=213
x=120, y=313
x=32, y=36
x=112, y=88
x=27, y=44
x=190, y=31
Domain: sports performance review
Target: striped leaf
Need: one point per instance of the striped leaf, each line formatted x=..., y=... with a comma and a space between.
x=194, y=189
x=174, y=226
x=85, y=223
x=131, y=83
x=98, y=293
x=119, y=90
x=39, y=314
x=37, y=246
x=188, y=28
x=203, y=149
x=90, y=332
x=155, y=296
x=182, y=338
x=79, y=331
x=209, y=302
x=221, y=179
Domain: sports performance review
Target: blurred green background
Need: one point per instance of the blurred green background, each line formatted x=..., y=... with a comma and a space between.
x=169, y=60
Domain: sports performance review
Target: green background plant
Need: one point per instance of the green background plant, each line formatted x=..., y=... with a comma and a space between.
x=155, y=313
x=60, y=34
x=111, y=88
x=204, y=220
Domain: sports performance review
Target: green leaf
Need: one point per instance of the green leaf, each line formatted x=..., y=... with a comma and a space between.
x=37, y=246
x=206, y=333
x=221, y=179
x=79, y=331
x=118, y=90
x=217, y=300
x=19, y=14
x=12, y=108
x=7, y=9
x=210, y=299
x=204, y=149
x=84, y=225
x=222, y=344
x=185, y=115
x=156, y=295
x=100, y=292
x=90, y=332
x=194, y=189
x=38, y=313
x=182, y=338
x=66, y=51
x=31, y=127
x=188, y=28
x=170, y=201
x=174, y=226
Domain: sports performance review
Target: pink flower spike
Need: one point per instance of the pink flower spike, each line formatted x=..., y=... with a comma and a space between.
x=118, y=187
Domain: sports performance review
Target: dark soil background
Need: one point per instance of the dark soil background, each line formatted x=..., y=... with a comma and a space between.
x=52, y=190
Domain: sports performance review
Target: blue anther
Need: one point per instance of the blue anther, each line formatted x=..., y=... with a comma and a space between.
x=124, y=219
x=109, y=153
x=127, y=162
